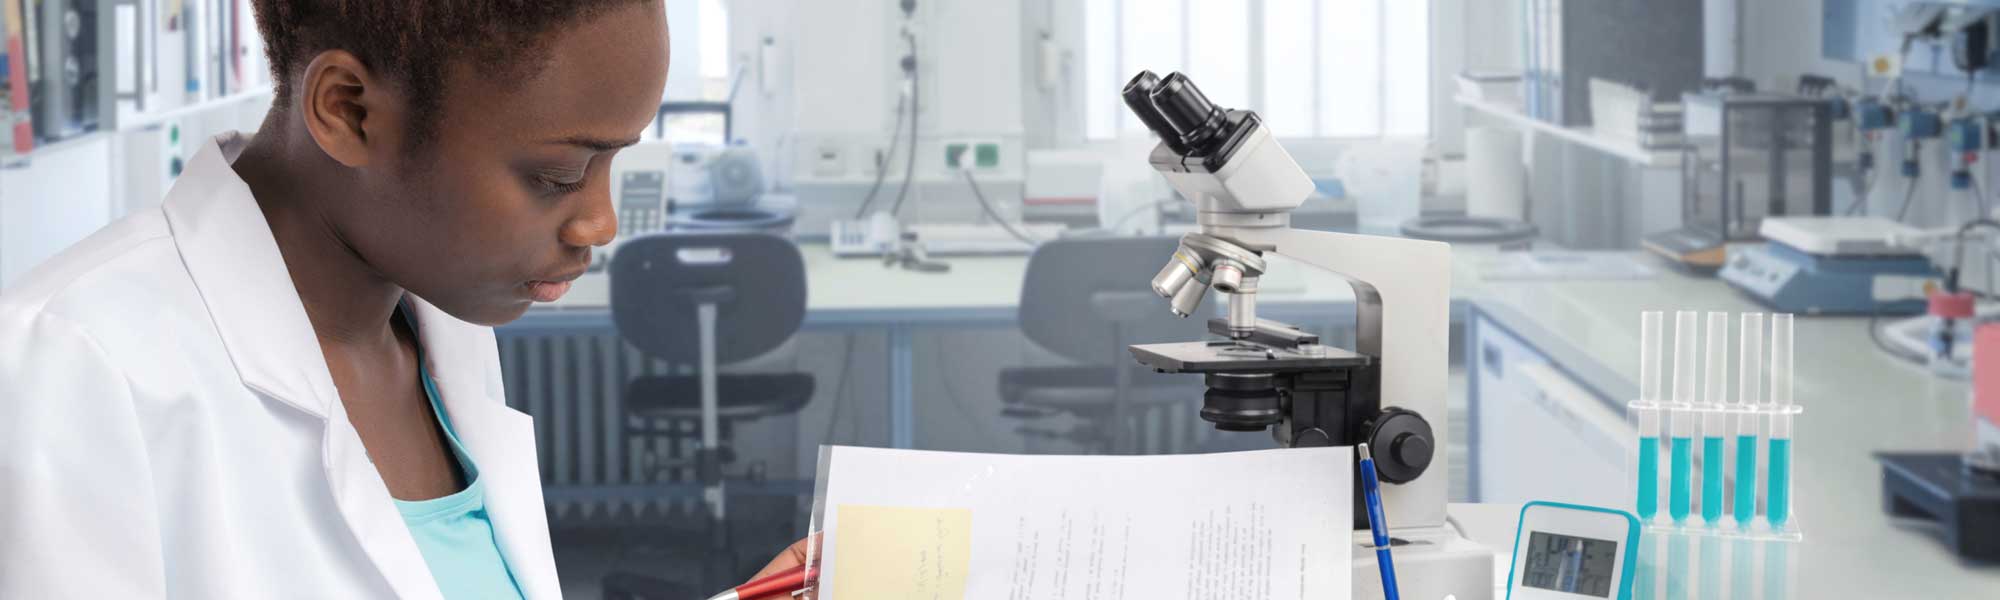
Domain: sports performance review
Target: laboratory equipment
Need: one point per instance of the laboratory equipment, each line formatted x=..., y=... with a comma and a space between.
x=1654, y=46
x=1681, y=425
x=1570, y=551
x=1829, y=265
x=1714, y=421
x=1966, y=137
x=1063, y=186
x=1265, y=375
x=1749, y=156
x=1685, y=564
x=1750, y=391
x=1648, y=410
x=1778, y=485
x=1960, y=492
x=1716, y=417
x=706, y=175
x=1378, y=525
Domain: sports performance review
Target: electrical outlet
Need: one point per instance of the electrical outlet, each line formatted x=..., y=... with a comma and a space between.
x=956, y=155
x=829, y=161
x=972, y=154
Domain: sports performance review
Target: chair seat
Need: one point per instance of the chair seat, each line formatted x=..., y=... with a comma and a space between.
x=1090, y=390
x=739, y=397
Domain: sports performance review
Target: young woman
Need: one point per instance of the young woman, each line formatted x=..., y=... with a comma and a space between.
x=281, y=382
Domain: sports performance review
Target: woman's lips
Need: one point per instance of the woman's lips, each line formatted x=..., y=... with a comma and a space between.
x=547, y=291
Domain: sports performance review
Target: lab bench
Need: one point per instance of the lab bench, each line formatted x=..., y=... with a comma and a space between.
x=1552, y=364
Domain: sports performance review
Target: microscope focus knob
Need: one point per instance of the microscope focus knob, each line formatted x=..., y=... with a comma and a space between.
x=1406, y=444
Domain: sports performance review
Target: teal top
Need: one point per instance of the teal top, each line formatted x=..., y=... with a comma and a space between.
x=453, y=532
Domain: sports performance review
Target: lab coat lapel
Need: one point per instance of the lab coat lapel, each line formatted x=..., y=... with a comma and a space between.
x=501, y=441
x=229, y=252
x=371, y=513
x=235, y=264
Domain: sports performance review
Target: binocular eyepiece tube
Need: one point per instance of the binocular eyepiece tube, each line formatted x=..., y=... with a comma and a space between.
x=1174, y=109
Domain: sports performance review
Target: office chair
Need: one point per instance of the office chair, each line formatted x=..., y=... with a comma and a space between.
x=706, y=299
x=1086, y=299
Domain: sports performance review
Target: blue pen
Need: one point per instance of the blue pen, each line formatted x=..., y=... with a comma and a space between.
x=1371, y=490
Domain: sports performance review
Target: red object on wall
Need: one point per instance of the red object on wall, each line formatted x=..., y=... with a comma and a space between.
x=1986, y=372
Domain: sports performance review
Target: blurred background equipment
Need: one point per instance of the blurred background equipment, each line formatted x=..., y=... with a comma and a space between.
x=1750, y=156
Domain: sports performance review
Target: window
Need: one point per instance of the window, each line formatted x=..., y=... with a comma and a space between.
x=1312, y=68
x=702, y=69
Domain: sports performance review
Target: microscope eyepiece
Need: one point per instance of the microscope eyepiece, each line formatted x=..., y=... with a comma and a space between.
x=1196, y=120
x=1138, y=96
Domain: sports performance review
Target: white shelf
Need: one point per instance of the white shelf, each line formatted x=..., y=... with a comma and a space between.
x=1622, y=148
x=149, y=119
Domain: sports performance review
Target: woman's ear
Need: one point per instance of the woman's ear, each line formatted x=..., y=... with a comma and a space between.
x=347, y=107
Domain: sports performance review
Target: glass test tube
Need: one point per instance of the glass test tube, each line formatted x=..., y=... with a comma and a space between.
x=1778, y=494
x=1750, y=391
x=1680, y=474
x=1713, y=420
x=1649, y=413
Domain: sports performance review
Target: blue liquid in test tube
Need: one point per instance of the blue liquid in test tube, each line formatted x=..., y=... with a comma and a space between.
x=1649, y=477
x=1746, y=477
x=1749, y=394
x=1680, y=484
x=1780, y=496
x=1649, y=413
x=1712, y=461
x=1681, y=478
x=1714, y=422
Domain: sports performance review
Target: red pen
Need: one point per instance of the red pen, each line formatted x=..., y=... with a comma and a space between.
x=781, y=583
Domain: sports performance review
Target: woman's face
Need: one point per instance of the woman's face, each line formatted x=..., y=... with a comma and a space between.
x=503, y=205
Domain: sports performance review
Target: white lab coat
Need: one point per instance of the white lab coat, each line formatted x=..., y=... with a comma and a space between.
x=169, y=429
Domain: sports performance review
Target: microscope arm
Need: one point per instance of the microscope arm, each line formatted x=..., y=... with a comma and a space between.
x=1402, y=288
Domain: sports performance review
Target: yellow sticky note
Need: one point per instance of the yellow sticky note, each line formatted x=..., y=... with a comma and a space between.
x=897, y=553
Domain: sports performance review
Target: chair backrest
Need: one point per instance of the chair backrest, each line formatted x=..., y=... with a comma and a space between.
x=1068, y=278
x=756, y=280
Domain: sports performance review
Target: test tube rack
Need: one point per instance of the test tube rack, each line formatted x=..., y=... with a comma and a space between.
x=1678, y=565
x=1715, y=446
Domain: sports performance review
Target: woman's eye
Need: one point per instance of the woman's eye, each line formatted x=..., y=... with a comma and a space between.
x=560, y=182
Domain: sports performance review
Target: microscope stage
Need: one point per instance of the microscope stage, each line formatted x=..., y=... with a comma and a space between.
x=1233, y=356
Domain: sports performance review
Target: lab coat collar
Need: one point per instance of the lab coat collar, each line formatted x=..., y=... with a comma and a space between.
x=234, y=261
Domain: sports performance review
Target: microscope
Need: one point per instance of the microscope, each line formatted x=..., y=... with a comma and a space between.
x=1388, y=391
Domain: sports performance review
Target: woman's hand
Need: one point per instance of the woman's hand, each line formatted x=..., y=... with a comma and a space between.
x=791, y=557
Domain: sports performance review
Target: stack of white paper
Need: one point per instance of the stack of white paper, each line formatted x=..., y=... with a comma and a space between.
x=900, y=524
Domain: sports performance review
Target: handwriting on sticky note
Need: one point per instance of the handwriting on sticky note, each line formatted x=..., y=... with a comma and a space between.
x=898, y=553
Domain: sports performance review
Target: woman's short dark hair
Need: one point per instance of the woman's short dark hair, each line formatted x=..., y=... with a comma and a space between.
x=414, y=42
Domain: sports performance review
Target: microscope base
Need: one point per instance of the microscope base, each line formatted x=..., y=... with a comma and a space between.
x=1436, y=561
